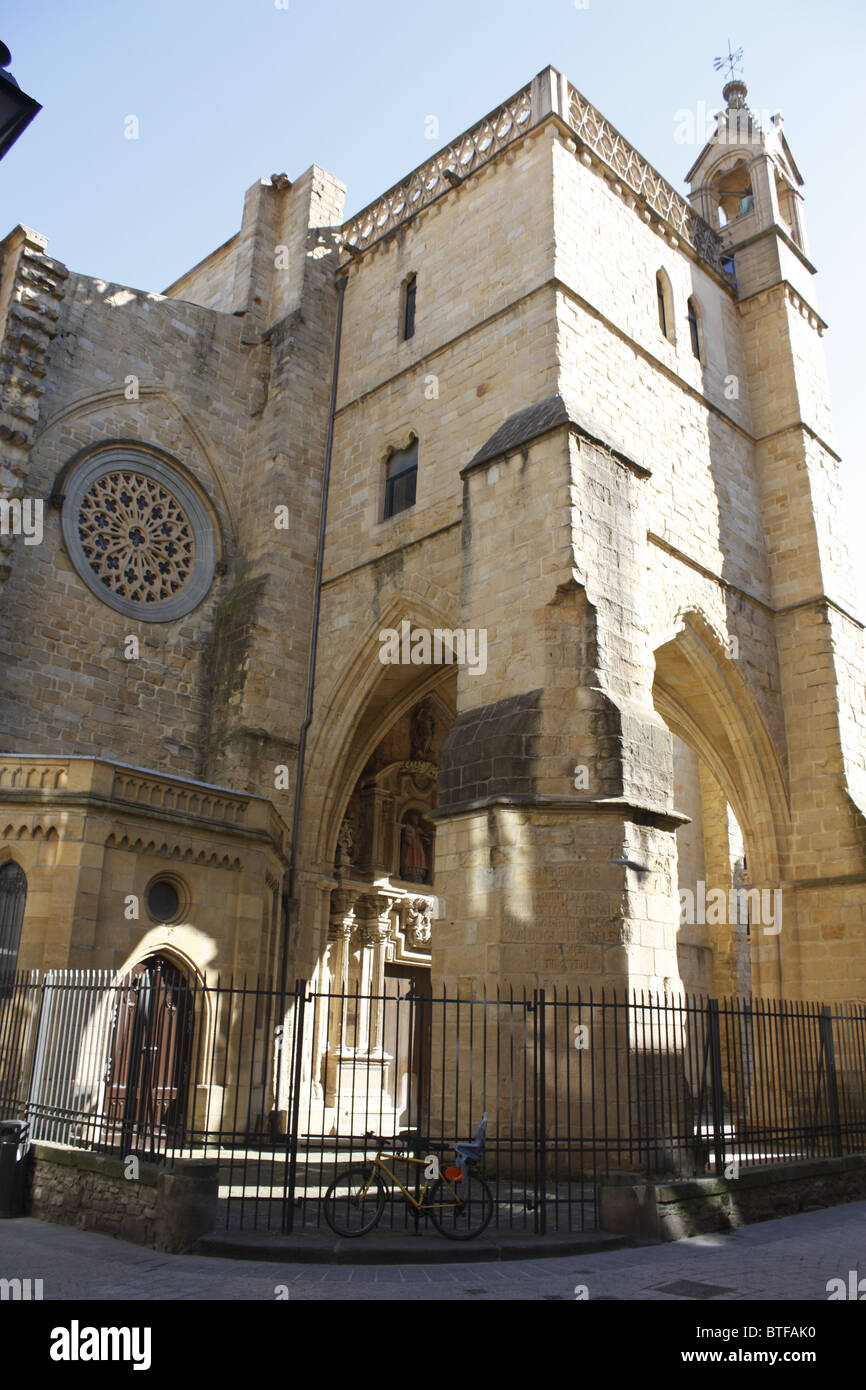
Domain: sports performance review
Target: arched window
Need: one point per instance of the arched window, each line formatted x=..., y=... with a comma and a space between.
x=694, y=327
x=664, y=299
x=401, y=479
x=13, y=895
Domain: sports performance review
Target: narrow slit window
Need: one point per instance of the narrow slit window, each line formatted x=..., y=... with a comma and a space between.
x=664, y=300
x=660, y=294
x=409, y=307
x=694, y=329
x=401, y=480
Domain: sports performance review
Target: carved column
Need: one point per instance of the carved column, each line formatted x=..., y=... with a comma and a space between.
x=377, y=932
x=342, y=923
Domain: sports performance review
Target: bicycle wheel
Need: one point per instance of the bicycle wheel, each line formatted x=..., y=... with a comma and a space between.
x=355, y=1201
x=463, y=1209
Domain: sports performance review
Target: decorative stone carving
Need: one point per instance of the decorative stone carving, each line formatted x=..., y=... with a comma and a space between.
x=341, y=920
x=421, y=773
x=136, y=537
x=346, y=845
x=421, y=734
x=138, y=534
x=378, y=926
x=418, y=924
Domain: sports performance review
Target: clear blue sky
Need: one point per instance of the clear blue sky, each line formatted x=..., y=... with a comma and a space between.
x=229, y=90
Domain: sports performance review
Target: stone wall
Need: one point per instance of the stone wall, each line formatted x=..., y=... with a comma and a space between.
x=164, y=1210
x=671, y=1211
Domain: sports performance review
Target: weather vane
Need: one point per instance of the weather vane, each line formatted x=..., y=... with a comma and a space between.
x=732, y=60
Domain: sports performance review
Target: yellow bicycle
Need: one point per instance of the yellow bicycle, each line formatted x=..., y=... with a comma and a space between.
x=457, y=1200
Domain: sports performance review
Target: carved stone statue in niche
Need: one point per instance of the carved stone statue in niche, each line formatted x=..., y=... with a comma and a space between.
x=421, y=732
x=345, y=845
x=416, y=845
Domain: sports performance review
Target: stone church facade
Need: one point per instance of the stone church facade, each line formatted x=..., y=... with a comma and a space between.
x=560, y=432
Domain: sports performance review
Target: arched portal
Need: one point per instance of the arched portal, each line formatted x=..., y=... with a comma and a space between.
x=369, y=840
x=729, y=781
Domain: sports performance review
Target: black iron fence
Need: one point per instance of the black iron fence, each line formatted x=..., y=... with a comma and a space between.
x=285, y=1093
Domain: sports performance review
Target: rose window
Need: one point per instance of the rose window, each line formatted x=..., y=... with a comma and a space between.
x=136, y=537
x=138, y=534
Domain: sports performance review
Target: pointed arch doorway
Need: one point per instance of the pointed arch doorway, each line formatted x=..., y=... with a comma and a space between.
x=149, y=1078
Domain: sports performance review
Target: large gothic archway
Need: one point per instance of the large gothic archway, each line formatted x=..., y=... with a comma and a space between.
x=731, y=783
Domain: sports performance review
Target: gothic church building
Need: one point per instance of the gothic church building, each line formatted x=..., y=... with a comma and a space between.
x=565, y=436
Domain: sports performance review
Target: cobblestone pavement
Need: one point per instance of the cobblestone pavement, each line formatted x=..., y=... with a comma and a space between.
x=792, y=1258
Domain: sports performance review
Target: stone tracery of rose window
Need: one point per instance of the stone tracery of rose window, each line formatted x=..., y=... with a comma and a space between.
x=136, y=537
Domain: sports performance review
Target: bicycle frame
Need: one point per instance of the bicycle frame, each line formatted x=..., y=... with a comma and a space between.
x=418, y=1203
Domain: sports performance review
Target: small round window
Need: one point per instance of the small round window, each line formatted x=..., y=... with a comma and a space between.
x=138, y=535
x=163, y=900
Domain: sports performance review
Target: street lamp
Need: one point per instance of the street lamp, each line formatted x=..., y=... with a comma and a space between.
x=17, y=109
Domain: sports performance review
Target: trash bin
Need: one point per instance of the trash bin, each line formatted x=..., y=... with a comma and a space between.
x=14, y=1148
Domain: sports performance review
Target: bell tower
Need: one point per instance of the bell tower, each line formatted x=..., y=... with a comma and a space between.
x=746, y=184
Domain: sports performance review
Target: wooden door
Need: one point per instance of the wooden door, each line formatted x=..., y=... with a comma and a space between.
x=149, y=1075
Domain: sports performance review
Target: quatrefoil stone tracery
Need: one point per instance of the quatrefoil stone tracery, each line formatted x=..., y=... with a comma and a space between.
x=136, y=537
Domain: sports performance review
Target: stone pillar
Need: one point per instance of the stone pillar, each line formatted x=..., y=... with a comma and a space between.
x=342, y=925
x=377, y=932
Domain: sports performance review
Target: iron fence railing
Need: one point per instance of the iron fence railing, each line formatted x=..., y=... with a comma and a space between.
x=285, y=1092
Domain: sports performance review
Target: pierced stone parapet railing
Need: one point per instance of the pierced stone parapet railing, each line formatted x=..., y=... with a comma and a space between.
x=426, y=183
x=548, y=94
x=611, y=149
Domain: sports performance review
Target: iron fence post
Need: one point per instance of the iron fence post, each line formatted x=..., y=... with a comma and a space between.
x=540, y=1113
x=829, y=1052
x=35, y=1054
x=293, y=1111
x=716, y=1094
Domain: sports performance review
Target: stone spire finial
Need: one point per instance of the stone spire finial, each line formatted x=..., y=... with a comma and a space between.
x=734, y=94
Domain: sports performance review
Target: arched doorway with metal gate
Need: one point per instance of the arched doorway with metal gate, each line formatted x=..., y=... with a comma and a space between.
x=149, y=1076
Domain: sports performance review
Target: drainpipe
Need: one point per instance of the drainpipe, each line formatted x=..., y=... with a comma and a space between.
x=290, y=901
